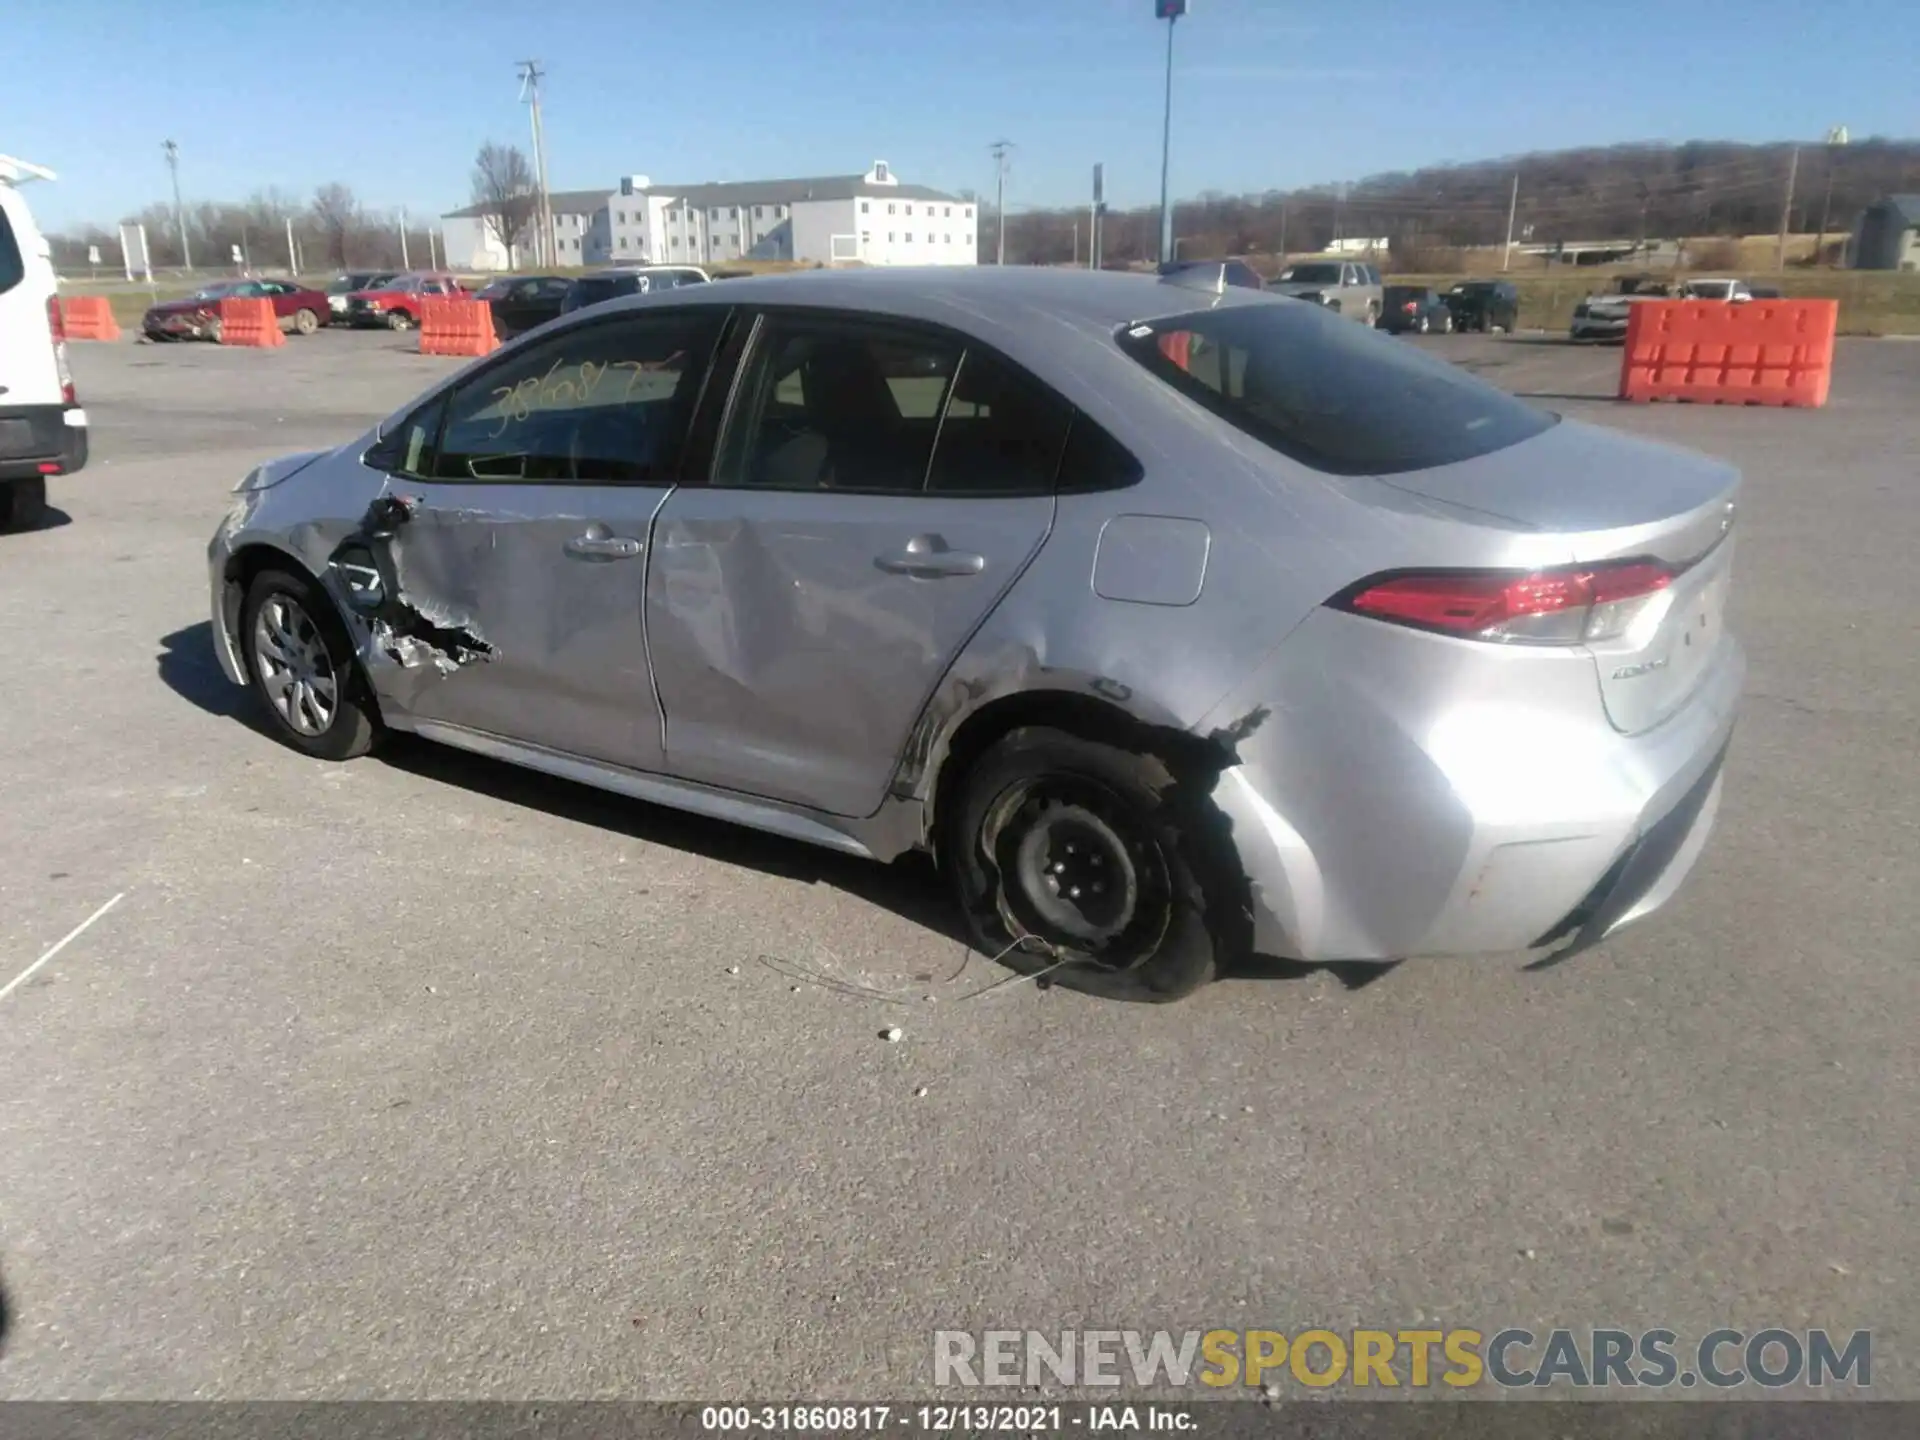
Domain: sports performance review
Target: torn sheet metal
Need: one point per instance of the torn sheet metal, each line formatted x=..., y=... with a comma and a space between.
x=414, y=633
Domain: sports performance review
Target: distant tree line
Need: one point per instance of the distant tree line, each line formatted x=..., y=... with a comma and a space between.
x=1693, y=191
x=332, y=230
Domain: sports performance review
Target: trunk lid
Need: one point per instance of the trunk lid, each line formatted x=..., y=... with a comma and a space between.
x=1616, y=497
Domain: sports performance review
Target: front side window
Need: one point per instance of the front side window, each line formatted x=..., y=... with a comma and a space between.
x=601, y=404
x=833, y=403
x=1329, y=394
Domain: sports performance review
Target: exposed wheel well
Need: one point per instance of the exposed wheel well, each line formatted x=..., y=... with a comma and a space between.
x=1081, y=715
x=247, y=562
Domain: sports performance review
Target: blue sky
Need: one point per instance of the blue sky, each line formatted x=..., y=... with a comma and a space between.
x=394, y=98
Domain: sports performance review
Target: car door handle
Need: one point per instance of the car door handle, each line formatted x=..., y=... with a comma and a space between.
x=928, y=558
x=596, y=544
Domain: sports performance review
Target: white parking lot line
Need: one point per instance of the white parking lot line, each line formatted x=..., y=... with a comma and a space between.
x=59, y=945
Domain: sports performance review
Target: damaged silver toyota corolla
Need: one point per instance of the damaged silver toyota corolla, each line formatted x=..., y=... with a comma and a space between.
x=1178, y=622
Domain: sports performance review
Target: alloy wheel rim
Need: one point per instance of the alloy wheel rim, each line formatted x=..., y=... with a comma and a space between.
x=295, y=668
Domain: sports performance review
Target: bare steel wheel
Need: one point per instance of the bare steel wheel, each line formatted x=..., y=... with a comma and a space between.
x=301, y=664
x=306, y=322
x=1091, y=863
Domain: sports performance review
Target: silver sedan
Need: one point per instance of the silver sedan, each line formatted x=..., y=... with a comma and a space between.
x=1179, y=622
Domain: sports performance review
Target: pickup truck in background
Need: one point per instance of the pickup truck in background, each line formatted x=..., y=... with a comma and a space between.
x=1604, y=317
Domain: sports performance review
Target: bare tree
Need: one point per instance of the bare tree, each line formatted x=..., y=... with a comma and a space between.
x=503, y=191
x=336, y=215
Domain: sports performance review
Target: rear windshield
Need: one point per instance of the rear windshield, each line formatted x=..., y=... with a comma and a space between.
x=592, y=292
x=1394, y=294
x=1335, y=396
x=13, y=265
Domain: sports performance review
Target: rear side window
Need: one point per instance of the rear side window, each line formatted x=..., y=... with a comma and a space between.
x=1330, y=394
x=13, y=265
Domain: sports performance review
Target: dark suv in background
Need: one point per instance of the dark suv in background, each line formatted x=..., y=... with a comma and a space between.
x=1414, y=307
x=628, y=280
x=1484, y=305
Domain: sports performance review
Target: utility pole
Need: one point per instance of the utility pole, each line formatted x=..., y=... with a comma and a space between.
x=1513, y=208
x=1000, y=149
x=293, y=255
x=1097, y=218
x=404, y=262
x=179, y=214
x=1169, y=11
x=1836, y=141
x=530, y=77
x=1786, y=209
x=1283, y=233
x=433, y=253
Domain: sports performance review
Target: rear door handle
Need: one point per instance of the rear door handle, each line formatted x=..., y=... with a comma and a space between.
x=928, y=558
x=597, y=544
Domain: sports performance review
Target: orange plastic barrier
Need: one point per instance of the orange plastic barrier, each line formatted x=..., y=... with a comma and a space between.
x=89, y=317
x=1762, y=352
x=456, y=325
x=1177, y=346
x=250, y=322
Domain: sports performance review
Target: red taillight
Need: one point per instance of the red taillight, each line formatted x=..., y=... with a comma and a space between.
x=1552, y=607
x=1410, y=307
x=57, y=328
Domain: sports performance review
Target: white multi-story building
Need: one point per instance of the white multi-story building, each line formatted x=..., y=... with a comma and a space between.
x=870, y=219
x=471, y=244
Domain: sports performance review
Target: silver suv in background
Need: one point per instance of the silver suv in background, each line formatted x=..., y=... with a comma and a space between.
x=1346, y=287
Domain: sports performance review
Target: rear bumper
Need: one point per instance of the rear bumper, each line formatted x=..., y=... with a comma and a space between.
x=1407, y=796
x=1587, y=327
x=33, y=437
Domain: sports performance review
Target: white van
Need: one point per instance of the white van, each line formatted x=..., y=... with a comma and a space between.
x=43, y=430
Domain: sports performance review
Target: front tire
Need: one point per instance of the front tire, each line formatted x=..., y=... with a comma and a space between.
x=306, y=322
x=300, y=664
x=397, y=320
x=23, y=504
x=1083, y=852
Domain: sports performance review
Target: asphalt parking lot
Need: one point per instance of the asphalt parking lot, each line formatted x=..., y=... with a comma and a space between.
x=425, y=1077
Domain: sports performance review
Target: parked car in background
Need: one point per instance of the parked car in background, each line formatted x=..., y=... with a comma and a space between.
x=395, y=303
x=1348, y=654
x=1604, y=316
x=604, y=285
x=1215, y=272
x=1764, y=292
x=341, y=286
x=43, y=430
x=1346, y=287
x=1416, y=308
x=1484, y=305
x=299, y=309
x=1734, y=292
x=521, y=302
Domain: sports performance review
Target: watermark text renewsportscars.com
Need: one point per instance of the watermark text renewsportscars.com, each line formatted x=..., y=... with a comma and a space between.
x=1510, y=1358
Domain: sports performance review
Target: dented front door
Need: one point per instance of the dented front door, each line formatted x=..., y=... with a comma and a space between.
x=521, y=565
x=549, y=579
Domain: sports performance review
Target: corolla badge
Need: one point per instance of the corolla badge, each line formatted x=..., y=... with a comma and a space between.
x=1629, y=672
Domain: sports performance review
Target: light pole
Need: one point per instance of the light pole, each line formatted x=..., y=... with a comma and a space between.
x=1169, y=11
x=179, y=215
x=1836, y=142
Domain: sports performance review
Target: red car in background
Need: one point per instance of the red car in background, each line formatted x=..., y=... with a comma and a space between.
x=298, y=309
x=396, y=303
